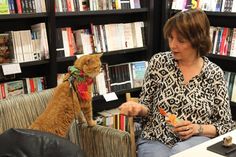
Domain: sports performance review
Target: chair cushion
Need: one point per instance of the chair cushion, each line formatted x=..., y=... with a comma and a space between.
x=32, y=143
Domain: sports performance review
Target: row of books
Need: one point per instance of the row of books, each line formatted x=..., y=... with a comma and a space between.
x=120, y=77
x=111, y=37
x=207, y=5
x=112, y=118
x=223, y=41
x=231, y=84
x=23, y=86
x=22, y=6
x=117, y=77
x=24, y=45
x=92, y=5
x=100, y=38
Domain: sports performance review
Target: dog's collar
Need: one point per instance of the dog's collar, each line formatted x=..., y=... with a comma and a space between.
x=79, y=75
x=83, y=82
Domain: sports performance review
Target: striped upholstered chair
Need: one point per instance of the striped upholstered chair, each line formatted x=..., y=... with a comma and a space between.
x=99, y=141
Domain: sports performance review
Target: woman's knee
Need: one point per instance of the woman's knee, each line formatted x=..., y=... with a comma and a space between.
x=193, y=141
x=148, y=148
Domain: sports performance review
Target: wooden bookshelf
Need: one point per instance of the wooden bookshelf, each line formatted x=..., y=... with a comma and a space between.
x=77, y=20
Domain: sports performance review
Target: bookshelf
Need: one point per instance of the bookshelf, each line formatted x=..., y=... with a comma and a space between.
x=217, y=19
x=16, y=22
x=148, y=13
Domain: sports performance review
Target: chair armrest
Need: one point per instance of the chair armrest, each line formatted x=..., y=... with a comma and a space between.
x=101, y=141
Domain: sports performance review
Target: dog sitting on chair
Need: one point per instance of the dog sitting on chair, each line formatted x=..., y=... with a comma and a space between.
x=71, y=97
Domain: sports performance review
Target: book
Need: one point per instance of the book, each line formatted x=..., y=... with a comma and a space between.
x=14, y=88
x=59, y=43
x=40, y=30
x=138, y=71
x=101, y=83
x=4, y=7
x=233, y=44
x=6, y=48
x=233, y=96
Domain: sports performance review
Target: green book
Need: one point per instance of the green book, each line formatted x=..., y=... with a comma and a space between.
x=4, y=8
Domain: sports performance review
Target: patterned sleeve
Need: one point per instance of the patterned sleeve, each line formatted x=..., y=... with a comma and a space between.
x=222, y=118
x=151, y=80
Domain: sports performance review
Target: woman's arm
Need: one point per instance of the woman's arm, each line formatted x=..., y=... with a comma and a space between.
x=131, y=108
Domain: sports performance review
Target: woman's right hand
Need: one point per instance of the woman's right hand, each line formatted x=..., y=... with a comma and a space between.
x=132, y=109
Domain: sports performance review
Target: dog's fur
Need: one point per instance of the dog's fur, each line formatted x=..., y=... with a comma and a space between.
x=61, y=110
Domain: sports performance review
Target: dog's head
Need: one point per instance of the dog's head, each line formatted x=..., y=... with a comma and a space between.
x=89, y=64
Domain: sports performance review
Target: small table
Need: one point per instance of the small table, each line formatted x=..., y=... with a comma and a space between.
x=201, y=149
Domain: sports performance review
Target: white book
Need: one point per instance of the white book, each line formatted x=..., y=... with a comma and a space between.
x=86, y=41
x=40, y=30
x=112, y=37
x=27, y=45
x=72, y=5
x=101, y=84
x=205, y=5
x=14, y=46
x=233, y=44
x=223, y=6
x=233, y=98
x=38, y=6
x=43, y=5
x=103, y=43
x=121, y=36
x=137, y=33
x=134, y=4
x=215, y=40
x=65, y=42
x=78, y=41
x=128, y=33
x=19, y=50
x=234, y=6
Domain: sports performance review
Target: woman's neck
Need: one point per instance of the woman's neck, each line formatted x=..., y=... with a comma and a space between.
x=190, y=62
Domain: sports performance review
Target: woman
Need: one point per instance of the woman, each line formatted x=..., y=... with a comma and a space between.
x=185, y=83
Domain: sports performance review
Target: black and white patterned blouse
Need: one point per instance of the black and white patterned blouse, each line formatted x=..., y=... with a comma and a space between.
x=204, y=100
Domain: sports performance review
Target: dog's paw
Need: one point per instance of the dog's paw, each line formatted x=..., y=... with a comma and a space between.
x=92, y=123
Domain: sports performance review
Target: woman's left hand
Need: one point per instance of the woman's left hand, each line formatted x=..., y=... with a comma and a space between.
x=185, y=129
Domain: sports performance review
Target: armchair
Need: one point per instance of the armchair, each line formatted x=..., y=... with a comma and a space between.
x=99, y=141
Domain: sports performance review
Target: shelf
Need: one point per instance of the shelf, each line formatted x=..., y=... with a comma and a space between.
x=15, y=22
x=233, y=110
x=102, y=12
x=100, y=17
x=28, y=69
x=222, y=19
x=218, y=19
x=212, y=13
x=99, y=103
x=112, y=57
x=221, y=14
x=34, y=63
x=233, y=104
x=64, y=63
x=66, y=59
x=22, y=16
x=225, y=62
x=124, y=56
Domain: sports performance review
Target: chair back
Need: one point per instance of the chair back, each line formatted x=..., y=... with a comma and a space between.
x=131, y=126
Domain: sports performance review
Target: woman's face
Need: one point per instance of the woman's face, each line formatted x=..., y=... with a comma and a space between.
x=180, y=47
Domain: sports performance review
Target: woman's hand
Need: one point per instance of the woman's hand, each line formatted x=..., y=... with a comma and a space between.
x=185, y=129
x=132, y=109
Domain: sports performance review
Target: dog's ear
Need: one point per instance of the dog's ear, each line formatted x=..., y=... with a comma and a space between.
x=66, y=77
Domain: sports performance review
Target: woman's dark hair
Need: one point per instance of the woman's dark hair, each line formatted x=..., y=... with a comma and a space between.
x=192, y=25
